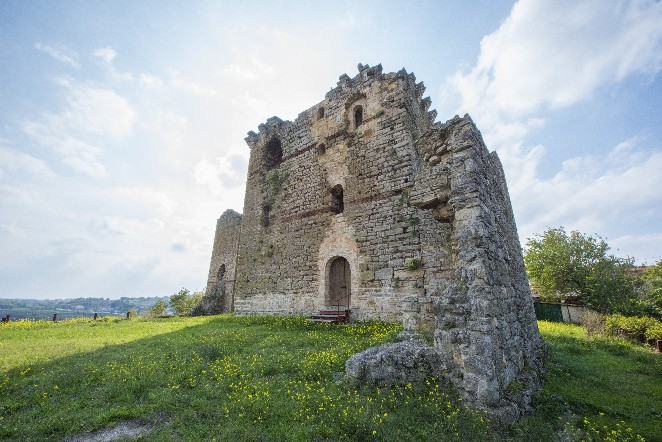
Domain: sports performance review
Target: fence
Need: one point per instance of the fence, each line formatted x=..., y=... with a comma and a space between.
x=558, y=312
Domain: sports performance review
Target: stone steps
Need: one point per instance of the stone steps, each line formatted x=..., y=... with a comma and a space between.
x=330, y=315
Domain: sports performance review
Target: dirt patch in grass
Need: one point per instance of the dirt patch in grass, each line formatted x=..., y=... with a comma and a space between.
x=121, y=430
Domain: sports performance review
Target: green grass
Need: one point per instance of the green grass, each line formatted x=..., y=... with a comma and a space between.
x=277, y=379
x=597, y=388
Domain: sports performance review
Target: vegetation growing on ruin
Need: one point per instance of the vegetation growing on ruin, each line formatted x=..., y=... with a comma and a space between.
x=272, y=378
x=413, y=264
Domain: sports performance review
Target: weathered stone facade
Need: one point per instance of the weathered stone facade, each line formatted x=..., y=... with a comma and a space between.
x=222, y=269
x=365, y=201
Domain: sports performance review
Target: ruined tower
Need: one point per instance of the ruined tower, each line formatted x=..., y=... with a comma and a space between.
x=365, y=201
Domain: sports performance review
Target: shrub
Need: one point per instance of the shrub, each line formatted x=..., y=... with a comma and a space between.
x=654, y=332
x=629, y=326
x=593, y=322
x=159, y=309
x=183, y=302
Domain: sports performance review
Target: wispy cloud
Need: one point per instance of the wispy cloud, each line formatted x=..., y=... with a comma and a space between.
x=549, y=55
x=555, y=54
x=94, y=109
x=107, y=55
x=60, y=53
x=249, y=68
x=592, y=191
x=227, y=172
x=91, y=116
x=21, y=163
x=150, y=81
x=75, y=153
x=178, y=81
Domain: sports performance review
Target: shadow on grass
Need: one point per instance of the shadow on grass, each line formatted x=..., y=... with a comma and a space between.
x=92, y=389
x=249, y=378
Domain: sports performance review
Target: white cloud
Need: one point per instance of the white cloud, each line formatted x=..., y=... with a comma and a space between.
x=591, y=193
x=150, y=81
x=249, y=68
x=18, y=162
x=644, y=247
x=60, y=53
x=192, y=87
x=95, y=110
x=91, y=117
x=557, y=53
x=107, y=55
x=552, y=54
x=75, y=153
x=136, y=228
x=147, y=197
x=218, y=177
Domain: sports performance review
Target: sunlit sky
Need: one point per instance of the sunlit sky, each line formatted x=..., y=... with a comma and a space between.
x=122, y=122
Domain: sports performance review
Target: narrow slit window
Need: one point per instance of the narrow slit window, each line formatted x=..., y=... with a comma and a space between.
x=264, y=220
x=337, y=202
x=320, y=113
x=221, y=273
x=358, y=116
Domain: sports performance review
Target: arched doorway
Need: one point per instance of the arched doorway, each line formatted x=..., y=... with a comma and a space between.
x=340, y=278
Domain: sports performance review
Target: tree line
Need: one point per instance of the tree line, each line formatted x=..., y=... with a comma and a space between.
x=578, y=268
x=181, y=303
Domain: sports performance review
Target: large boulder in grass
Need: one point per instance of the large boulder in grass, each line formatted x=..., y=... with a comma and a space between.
x=396, y=363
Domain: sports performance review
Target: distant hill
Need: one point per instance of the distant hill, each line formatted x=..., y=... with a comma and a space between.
x=75, y=307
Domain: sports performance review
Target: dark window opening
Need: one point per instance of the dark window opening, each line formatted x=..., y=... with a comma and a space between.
x=221, y=273
x=321, y=148
x=337, y=203
x=320, y=113
x=266, y=209
x=358, y=116
x=273, y=153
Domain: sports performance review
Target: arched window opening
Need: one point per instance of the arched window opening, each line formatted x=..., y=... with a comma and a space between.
x=358, y=116
x=337, y=202
x=273, y=153
x=320, y=113
x=321, y=148
x=221, y=273
x=264, y=220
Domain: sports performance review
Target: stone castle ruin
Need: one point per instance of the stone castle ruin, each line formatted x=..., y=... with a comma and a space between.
x=365, y=202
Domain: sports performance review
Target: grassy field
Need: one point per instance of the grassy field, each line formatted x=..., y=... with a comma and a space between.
x=276, y=379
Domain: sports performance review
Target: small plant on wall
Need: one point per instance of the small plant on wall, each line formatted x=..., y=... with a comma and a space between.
x=413, y=264
x=275, y=181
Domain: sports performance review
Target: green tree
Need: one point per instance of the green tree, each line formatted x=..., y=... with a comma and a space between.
x=652, y=299
x=579, y=266
x=182, y=303
x=159, y=308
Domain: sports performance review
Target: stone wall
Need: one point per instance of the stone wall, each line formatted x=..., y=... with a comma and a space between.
x=222, y=268
x=291, y=231
x=420, y=210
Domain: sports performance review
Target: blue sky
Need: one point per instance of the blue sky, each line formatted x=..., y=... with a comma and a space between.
x=122, y=123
